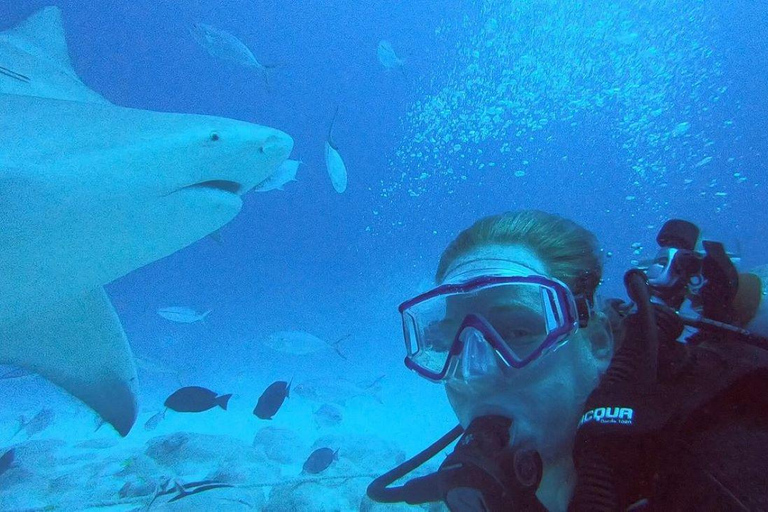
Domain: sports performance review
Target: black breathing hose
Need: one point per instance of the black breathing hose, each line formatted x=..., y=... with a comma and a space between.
x=741, y=334
x=637, y=360
x=378, y=490
x=596, y=489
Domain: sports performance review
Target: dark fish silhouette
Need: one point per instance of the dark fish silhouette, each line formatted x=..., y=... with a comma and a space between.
x=196, y=399
x=319, y=460
x=338, y=390
x=6, y=460
x=271, y=400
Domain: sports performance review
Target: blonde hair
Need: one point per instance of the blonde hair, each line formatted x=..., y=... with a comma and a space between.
x=569, y=251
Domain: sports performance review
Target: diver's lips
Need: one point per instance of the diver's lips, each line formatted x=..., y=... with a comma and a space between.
x=232, y=187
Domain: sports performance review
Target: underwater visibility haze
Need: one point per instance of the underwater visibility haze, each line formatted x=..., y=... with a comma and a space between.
x=211, y=211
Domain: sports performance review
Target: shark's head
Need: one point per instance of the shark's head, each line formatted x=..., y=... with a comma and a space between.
x=223, y=160
x=188, y=180
x=90, y=190
x=113, y=189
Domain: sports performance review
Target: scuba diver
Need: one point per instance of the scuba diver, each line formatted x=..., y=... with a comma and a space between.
x=567, y=403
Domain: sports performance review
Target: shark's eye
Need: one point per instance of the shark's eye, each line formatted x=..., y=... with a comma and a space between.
x=214, y=136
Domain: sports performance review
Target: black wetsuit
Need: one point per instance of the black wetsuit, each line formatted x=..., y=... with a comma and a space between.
x=720, y=459
x=716, y=457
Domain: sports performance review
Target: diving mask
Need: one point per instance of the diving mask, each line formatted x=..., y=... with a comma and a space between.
x=519, y=317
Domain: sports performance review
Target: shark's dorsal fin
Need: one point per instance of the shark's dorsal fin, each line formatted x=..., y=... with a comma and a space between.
x=36, y=50
x=42, y=35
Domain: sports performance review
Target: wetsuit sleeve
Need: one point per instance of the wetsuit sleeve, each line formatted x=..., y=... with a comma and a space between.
x=721, y=460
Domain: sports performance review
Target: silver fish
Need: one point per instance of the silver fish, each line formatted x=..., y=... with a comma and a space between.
x=155, y=420
x=151, y=365
x=301, y=343
x=182, y=314
x=39, y=422
x=328, y=415
x=335, y=166
x=338, y=391
x=223, y=45
x=284, y=174
x=387, y=56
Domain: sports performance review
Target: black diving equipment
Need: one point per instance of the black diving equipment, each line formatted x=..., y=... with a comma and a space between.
x=651, y=387
x=679, y=271
x=675, y=272
x=484, y=473
x=708, y=279
x=602, y=447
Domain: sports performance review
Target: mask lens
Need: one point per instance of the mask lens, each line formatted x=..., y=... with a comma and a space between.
x=519, y=317
x=477, y=357
x=428, y=335
x=517, y=313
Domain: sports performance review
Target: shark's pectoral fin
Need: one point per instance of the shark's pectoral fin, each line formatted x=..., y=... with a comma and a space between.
x=79, y=345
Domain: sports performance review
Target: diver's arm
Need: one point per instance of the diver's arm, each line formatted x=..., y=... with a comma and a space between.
x=722, y=461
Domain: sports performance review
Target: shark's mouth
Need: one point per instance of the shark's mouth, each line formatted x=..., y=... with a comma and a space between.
x=224, y=185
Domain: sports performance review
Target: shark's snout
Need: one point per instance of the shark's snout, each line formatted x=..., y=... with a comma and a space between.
x=231, y=163
x=278, y=146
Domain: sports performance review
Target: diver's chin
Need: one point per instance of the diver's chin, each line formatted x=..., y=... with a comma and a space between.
x=475, y=385
x=488, y=410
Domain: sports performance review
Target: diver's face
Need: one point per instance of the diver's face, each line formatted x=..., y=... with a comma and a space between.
x=545, y=398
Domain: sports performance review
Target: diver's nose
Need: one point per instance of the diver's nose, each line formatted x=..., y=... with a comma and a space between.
x=478, y=358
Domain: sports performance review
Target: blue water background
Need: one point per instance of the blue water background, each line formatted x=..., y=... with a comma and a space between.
x=337, y=264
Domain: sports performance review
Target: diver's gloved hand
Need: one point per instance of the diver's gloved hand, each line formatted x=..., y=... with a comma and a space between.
x=625, y=416
x=722, y=283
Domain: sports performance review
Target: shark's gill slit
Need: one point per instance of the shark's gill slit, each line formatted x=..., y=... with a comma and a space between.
x=225, y=185
x=18, y=76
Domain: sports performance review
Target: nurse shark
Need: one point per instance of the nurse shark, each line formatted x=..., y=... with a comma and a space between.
x=90, y=191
